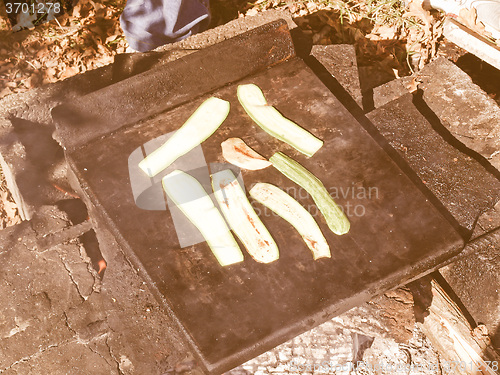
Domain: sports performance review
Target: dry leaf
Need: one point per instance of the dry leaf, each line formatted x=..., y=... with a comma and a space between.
x=50, y=75
x=386, y=32
x=252, y=12
x=112, y=37
x=69, y=72
x=97, y=6
x=413, y=85
x=468, y=17
x=30, y=82
x=311, y=6
x=302, y=13
x=415, y=9
x=382, y=32
x=4, y=92
x=10, y=209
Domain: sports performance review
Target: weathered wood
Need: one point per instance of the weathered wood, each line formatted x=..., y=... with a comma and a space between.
x=467, y=350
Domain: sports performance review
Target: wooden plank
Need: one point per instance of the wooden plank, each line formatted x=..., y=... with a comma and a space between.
x=466, y=349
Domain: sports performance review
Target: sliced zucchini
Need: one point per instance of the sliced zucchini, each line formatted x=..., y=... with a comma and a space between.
x=334, y=216
x=242, y=218
x=289, y=209
x=238, y=153
x=188, y=194
x=201, y=125
x=270, y=120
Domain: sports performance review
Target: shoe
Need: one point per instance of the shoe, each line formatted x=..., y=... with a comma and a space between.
x=487, y=11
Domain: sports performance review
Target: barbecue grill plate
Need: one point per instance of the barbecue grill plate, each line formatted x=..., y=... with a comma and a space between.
x=234, y=313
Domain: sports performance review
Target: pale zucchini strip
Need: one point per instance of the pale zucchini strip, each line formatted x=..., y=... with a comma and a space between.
x=238, y=153
x=270, y=120
x=191, y=198
x=201, y=125
x=289, y=209
x=333, y=214
x=242, y=218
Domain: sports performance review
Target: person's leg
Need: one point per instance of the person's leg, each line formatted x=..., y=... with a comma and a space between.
x=148, y=24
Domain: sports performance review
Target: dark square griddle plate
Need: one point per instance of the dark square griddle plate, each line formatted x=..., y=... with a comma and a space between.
x=234, y=313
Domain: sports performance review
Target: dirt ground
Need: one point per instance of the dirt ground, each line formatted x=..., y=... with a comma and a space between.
x=8, y=209
x=399, y=36
x=386, y=32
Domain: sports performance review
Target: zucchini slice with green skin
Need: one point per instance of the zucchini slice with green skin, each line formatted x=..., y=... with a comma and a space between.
x=192, y=199
x=201, y=125
x=242, y=218
x=335, y=218
x=270, y=120
x=289, y=209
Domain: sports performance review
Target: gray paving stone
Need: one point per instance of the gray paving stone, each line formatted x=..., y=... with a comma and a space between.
x=468, y=113
x=476, y=281
x=463, y=185
x=340, y=61
x=464, y=108
x=390, y=91
x=474, y=119
x=383, y=357
x=476, y=278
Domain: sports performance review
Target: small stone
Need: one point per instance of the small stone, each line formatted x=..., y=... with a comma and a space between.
x=319, y=354
x=268, y=359
x=298, y=351
x=283, y=357
x=280, y=369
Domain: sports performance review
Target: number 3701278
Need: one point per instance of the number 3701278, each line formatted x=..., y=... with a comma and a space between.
x=33, y=8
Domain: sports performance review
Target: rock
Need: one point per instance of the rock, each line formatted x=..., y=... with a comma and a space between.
x=340, y=61
x=465, y=110
x=461, y=183
x=476, y=281
x=390, y=91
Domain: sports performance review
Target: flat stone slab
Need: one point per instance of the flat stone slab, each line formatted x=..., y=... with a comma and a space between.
x=465, y=110
x=340, y=60
x=390, y=91
x=468, y=113
x=464, y=186
x=476, y=281
x=397, y=243
x=146, y=94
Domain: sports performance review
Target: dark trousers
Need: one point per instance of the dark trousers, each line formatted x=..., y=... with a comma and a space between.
x=148, y=24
